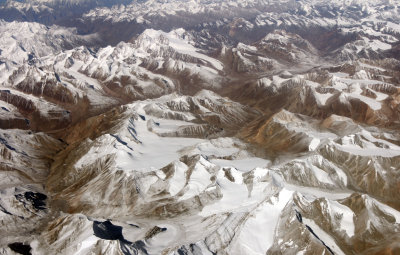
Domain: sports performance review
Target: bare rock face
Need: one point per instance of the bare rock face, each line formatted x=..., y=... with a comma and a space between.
x=25, y=161
x=283, y=132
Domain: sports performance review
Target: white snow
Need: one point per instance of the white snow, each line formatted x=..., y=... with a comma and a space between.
x=176, y=39
x=243, y=165
x=322, y=235
x=347, y=217
x=177, y=182
x=257, y=234
x=86, y=245
x=322, y=97
x=314, y=144
x=369, y=147
x=199, y=180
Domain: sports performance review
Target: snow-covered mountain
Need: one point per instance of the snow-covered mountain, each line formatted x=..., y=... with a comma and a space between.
x=25, y=41
x=200, y=127
x=49, y=11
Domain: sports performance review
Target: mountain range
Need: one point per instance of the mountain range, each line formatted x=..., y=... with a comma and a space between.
x=200, y=127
